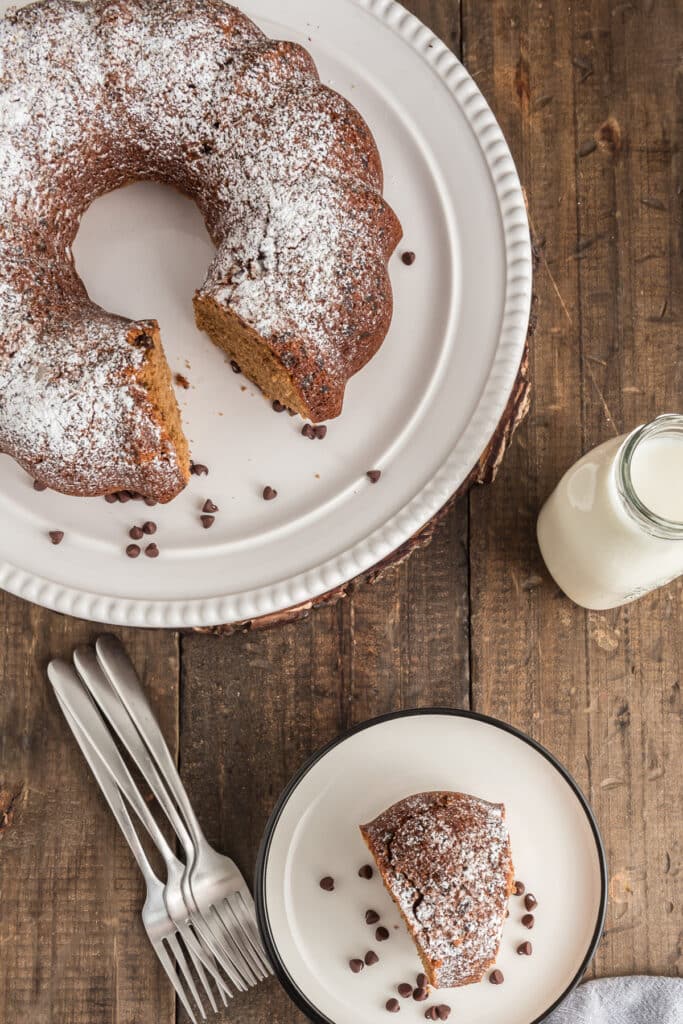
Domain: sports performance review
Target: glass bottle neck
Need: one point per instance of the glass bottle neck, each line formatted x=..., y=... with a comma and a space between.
x=668, y=426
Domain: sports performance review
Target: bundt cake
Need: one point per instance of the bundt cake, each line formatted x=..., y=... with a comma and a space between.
x=286, y=173
x=445, y=860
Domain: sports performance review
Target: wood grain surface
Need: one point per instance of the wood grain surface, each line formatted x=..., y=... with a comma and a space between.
x=590, y=96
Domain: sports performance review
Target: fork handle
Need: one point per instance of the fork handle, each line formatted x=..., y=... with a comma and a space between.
x=124, y=680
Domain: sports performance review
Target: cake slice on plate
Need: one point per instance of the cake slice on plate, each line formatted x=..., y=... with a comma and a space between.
x=445, y=859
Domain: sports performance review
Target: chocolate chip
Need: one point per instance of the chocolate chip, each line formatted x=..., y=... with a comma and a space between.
x=136, y=533
x=152, y=551
x=197, y=469
x=111, y=499
x=530, y=901
x=420, y=994
x=124, y=496
x=371, y=917
x=144, y=341
x=371, y=958
x=207, y=521
x=210, y=507
x=382, y=934
x=520, y=888
x=149, y=528
x=135, y=496
x=443, y=1011
x=405, y=990
x=421, y=981
x=133, y=550
x=150, y=502
x=235, y=366
x=526, y=949
x=321, y=432
x=365, y=872
x=374, y=475
x=327, y=883
x=56, y=536
x=38, y=486
x=308, y=431
x=408, y=258
x=496, y=977
x=528, y=920
x=278, y=406
x=269, y=494
x=393, y=1005
x=356, y=965
x=431, y=1013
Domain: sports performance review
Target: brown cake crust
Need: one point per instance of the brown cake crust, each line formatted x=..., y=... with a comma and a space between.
x=445, y=859
x=285, y=171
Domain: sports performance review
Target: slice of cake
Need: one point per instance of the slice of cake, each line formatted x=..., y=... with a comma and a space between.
x=445, y=859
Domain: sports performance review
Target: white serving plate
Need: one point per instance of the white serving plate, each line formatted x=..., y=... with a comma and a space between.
x=311, y=935
x=423, y=411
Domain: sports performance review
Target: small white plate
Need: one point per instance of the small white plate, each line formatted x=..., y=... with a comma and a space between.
x=423, y=411
x=311, y=935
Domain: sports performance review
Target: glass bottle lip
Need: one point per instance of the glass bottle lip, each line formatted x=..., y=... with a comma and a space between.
x=668, y=425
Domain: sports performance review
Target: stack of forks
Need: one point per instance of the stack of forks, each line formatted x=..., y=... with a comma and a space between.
x=201, y=921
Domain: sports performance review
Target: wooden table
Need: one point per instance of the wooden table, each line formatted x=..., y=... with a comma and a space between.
x=590, y=96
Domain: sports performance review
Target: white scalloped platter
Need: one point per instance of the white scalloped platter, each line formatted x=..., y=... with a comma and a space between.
x=422, y=411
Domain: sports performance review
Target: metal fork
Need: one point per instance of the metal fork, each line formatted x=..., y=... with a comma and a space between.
x=212, y=881
x=160, y=928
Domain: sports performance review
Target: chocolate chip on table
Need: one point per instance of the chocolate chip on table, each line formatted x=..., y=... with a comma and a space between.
x=443, y=1011
x=356, y=965
x=39, y=486
x=365, y=872
x=152, y=551
x=496, y=977
x=235, y=367
x=371, y=917
x=393, y=1005
x=320, y=432
x=421, y=981
x=111, y=499
x=198, y=469
x=530, y=901
x=431, y=1013
x=374, y=475
x=278, y=406
x=408, y=258
x=136, y=533
x=526, y=949
x=528, y=920
x=207, y=521
x=269, y=494
x=327, y=883
x=149, y=527
x=56, y=536
x=520, y=888
x=382, y=934
x=308, y=431
x=150, y=502
x=371, y=958
x=420, y=994
x=133, y=550
x=124, y=496
x=405, y=990
x=210, y=506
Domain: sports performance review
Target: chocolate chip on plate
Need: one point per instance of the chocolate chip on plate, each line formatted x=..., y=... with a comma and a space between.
x=496, y=977
x=408, y=258
x=526, y=949
x=207, y=521
x=56, y=536
x=530, y=901
x=405, y=990
x=136, y=533
x=124, y=496
x=111, y=499
x=235, y=367
x=278, y=406
x=269, y=494
x=133, y=550
x=198, y=469
x=149, y=528
x=420, y=994
x=382, y=934
x=371, y=917
x=321, y=432
x=431, y=1013
x=152, y=551
x=520, y=888
x=39, y=486
x=443, y=1011
x=393, y=1005
x=356, y=965
x=528, y=920
x=210, y=506
x=365, y=872
x=327, y=883
x=421, y=981
x=150, y=502
x=371, y=958
x=374, y=475
x=308, y=430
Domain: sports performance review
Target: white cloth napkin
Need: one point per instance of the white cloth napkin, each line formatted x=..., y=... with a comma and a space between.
x=636, y=1000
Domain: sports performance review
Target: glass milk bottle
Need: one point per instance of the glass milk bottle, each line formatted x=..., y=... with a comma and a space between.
x=613, y=528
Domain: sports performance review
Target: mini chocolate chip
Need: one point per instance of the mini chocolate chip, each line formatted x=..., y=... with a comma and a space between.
x=496, y=977
x=321, y=432
x=431, y=1013
x=371, y=958
x=133, y=550
x=443, y=1011
x=207, y=521
x=327, y=883
x=210, y=506
x=278, y=406
x=393, y=1005
x=371, y=917
x=420, y=994
x=136, y=533
x=421, y=981
x=235, y=367
x=530, y=901
x=149, y=528
x=356, y=965
x=124, y=496
x=382, y=934
x=520, y=888
x=365, y=872
x=528, y=920
x=39, y=486
x=409, y=258
x=308, y=431
x=405, y=990
x=374, y=475
x=144, y=341
x=56, y=536
x=269, y=494
x=197, y=469
x=526, y=949
x=111, y=499
x=152, y=551
x=150, y=502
